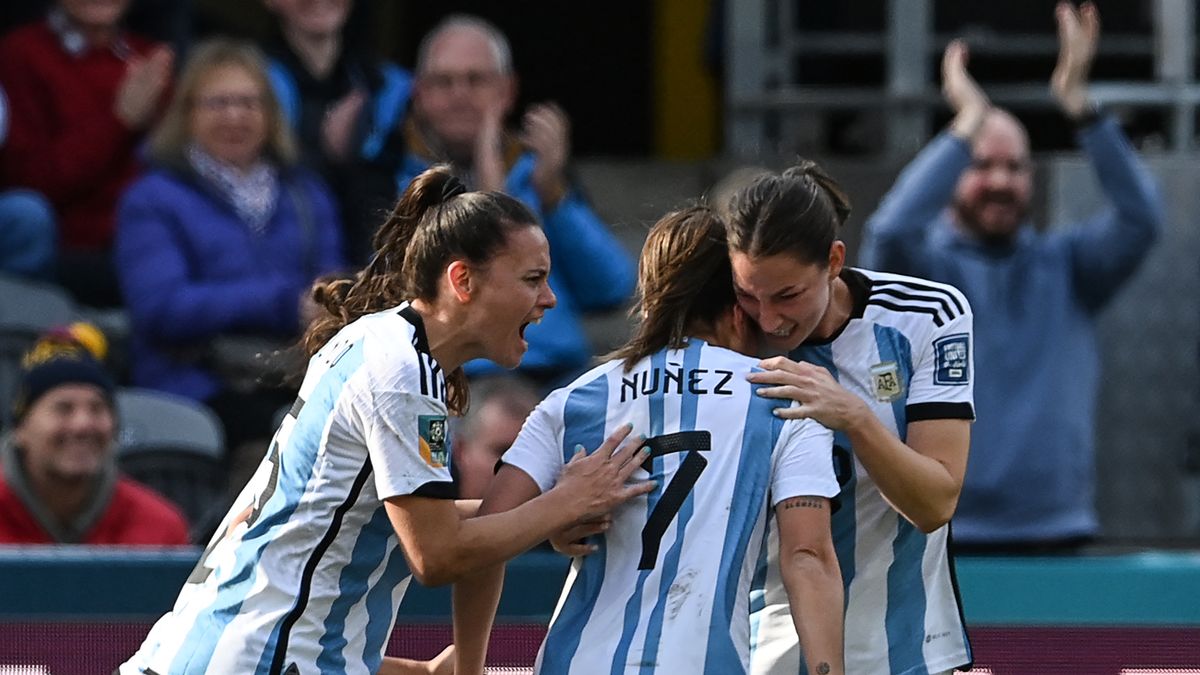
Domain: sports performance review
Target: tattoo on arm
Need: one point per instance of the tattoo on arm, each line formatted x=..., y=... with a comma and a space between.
x=822, y=668
x=803, y=503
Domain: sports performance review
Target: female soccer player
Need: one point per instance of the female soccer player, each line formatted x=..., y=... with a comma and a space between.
x=667, y=590
x=355, y=495
x=885, y=361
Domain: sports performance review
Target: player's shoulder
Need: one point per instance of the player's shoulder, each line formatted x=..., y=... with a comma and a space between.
x=911, y=299
x=395, y=349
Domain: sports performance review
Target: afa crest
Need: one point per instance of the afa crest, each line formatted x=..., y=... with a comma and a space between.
x=886, y=382
x=432, y=432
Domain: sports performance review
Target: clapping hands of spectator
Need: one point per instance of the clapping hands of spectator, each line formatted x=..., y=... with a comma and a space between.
x=489, y=151
x=1078, y=35
x=962, y=92
x=141, y=90
x=546, y=131
x=337, y=129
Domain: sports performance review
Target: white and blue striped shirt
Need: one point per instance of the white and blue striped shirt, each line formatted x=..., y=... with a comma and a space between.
x=667, y=591
x=906, y=351
x=305, y=574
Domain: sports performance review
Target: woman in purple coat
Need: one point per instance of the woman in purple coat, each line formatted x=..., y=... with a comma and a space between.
x=223, y=237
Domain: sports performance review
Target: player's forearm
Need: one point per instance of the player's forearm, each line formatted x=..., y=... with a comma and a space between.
x=497, y=537
x=475, y=598
x=814, y=587
x=921, y=488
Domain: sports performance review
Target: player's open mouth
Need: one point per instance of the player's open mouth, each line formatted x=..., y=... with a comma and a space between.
x=782, y=332
x=521, y=330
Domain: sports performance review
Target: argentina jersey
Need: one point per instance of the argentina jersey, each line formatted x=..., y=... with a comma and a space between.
x=667, y=590
x=906, y=351
x=305, y=573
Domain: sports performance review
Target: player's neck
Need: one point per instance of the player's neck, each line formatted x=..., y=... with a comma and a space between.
x=447, y=337
x=841, y=304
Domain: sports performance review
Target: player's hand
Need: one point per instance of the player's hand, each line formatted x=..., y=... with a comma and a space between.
x=1078, y=35
x=572, y=542
x=820, y=396
x=546, y=131
x=962, y=92
x=595, y=484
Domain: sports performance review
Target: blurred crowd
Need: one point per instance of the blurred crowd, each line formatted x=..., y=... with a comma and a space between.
x=199, y=194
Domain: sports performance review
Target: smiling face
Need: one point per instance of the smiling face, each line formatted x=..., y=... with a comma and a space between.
x=95, y=14
x=228, y=116
x=311, y=17
x=992, y=196
x=785, y=297
x=67, y=434
x=459, y=85
x=513, y=291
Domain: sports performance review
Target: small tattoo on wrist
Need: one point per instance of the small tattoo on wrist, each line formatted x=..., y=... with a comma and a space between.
x=822, y=668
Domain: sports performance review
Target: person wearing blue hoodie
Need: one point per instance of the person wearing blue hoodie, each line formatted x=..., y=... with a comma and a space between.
x=464, y=88
x=959, y=214
x=346, y=108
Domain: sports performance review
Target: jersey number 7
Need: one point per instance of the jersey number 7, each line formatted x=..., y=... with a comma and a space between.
x=693, y=443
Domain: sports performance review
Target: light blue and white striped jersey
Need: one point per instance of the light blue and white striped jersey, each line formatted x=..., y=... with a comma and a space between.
x=906, y=351
x=305, y=573
x=667, y=592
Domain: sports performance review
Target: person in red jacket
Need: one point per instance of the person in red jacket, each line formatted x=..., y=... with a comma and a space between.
x=58, y=475
x=81, y=91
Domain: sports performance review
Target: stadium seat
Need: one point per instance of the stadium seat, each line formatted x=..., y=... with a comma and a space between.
x=175, y=446
x=27, y=309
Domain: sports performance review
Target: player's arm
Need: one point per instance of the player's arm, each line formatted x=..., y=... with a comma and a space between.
x=477, y=595
x=809, y=567
x=441, y=547
x=442, y=664
x=921, y=478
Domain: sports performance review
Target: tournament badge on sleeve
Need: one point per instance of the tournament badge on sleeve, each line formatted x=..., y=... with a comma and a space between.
x=953, y=359
x=432, y=430
x=886, y=378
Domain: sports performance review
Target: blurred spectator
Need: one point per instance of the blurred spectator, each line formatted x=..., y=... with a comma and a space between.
x=26, y=223
x=464, y=89
x=347, y=111
x=499, y=406
x=1030, y=482
x=222, y=237
x=58, y=474
x=82, y=91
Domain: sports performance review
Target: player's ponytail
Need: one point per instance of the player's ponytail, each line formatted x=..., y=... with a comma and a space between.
x=798, y=212
x=684, y=282
x=380, y=284
x=435, y=222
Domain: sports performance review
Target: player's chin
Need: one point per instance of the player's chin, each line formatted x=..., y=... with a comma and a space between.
x=512, y=354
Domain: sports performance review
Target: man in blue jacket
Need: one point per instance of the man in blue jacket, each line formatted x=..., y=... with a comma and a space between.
x=464, y=89
x=1030, y=482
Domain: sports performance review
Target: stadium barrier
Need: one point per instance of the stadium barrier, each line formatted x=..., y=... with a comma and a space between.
x=77, y=610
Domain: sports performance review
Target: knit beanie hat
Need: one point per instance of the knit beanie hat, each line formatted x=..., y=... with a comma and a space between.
x=67, y=355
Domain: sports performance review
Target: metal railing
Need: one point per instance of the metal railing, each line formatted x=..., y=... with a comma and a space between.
x=765, y=99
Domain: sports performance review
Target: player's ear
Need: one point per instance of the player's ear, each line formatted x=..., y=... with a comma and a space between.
x=837, y=258
x=461, y=281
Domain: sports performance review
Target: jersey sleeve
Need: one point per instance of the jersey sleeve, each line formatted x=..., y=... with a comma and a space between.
x=405, y=430
x=538, y=448
x=803, y=462
x=942, y=385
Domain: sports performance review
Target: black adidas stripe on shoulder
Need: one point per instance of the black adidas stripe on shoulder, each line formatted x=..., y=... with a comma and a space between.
x=905, y=296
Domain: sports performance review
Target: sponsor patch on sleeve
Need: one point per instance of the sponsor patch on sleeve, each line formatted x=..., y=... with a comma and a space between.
x=434, y=448
x=953, y=354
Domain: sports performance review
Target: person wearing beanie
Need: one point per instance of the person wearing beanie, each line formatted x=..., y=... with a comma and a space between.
x=58, y=474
